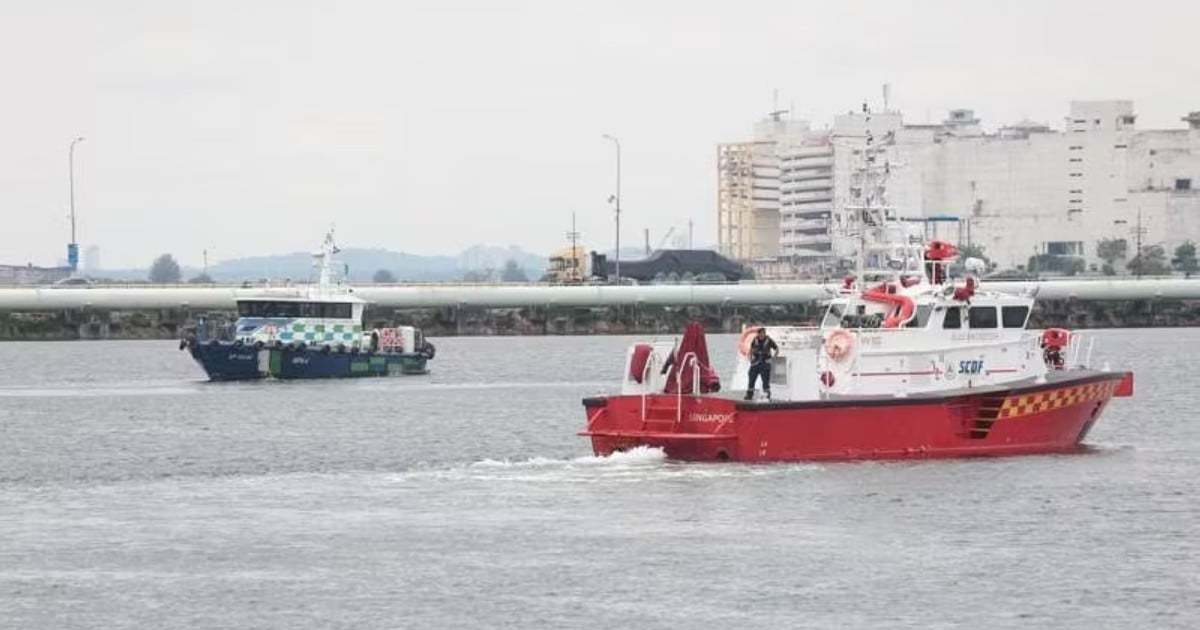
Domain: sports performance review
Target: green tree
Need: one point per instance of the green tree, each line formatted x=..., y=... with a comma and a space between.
x=383, y=276
x=203, y=278
x=513, y=272
x=1110, y=250
x=972, y=251
x=1053, y=264
x=1152, y=261
x=165, y=270
x=487, y=274
x=1185, y=258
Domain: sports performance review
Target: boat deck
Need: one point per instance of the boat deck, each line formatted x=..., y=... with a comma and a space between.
x=1053, y=380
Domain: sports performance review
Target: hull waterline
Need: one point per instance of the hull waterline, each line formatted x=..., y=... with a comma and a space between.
x=228, y=362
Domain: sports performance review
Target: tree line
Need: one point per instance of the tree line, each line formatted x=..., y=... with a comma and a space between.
x=1115, y=254
x=165, y=270
x=1151, y=261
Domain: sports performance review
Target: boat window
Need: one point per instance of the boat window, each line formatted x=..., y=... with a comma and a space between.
x=1014, y=316
x=953, y=318
x=923, y=313
x=265, y=308
x=833, y=316
x=339, y=310
x=982, y=316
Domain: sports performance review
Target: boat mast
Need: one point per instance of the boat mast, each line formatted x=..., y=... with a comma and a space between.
x=324, y=261
x=873, y=206
x=867, y=192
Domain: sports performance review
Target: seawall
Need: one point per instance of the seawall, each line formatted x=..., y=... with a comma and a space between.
x=444, y=322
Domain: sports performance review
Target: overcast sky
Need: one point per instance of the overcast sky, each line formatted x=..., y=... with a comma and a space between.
x=247, y=127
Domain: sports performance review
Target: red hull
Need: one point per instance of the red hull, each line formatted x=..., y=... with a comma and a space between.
x=1051, y=417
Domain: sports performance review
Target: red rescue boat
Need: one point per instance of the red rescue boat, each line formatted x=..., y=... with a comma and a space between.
x=917, y=366
x=957, y=381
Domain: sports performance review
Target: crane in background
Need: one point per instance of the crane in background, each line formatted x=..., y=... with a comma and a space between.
x=665, y=238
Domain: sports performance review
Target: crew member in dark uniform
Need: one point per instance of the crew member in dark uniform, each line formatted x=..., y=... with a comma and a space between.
x=762, y=348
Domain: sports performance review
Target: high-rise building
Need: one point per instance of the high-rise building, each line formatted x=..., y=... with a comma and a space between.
x=1021, y=192
x=91, y=259
x=747, y=200
x=775, y=192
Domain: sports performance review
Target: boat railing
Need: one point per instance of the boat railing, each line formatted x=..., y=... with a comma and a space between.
x=695, y=365
x=962, y=346
x=822, y=366
x=646, y=384
x=1081, y=350
x=682, y=365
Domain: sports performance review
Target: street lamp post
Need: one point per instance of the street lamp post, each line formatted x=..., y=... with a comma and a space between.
x=617, y=199
x=73, y=246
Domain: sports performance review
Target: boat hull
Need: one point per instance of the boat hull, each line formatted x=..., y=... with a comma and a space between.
x=1034, y=418
x=229, y=362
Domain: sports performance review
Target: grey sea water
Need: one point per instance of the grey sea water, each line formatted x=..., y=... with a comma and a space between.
x=133, y=494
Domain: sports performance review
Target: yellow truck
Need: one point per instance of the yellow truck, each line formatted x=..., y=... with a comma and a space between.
x=567, y=266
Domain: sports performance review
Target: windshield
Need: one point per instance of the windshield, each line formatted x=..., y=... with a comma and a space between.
x=833, y=317
x=326, y=310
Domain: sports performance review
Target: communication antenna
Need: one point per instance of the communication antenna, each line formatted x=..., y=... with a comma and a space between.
x=1139, y=232
x=573, y=237
x=776, y=114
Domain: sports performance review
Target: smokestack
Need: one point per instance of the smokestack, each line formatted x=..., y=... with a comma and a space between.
x=647, y=242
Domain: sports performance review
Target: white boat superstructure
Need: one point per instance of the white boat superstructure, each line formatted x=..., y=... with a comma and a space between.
x=900, y=325
x=324, y=315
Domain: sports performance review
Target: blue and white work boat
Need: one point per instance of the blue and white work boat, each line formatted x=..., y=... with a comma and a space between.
x=307, y=332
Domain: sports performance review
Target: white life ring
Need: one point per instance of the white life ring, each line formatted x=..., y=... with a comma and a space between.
x=746, y=340
x=839, y=344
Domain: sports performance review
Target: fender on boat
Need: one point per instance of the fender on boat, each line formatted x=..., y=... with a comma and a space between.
x=637, y=364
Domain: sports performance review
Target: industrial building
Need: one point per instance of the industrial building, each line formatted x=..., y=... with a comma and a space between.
x=1021, y=191
x=26, y=275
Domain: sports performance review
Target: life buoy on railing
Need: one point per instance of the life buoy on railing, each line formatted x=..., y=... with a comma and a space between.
x=839, y=344
x=747, y=339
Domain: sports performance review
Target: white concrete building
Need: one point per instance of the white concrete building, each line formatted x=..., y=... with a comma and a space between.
x=747, y=200
x=91, y=259
x=1027, y=190
x=806, y=198
x=1022, y=191
x=788, y=171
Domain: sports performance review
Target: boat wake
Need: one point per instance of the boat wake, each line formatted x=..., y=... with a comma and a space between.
x=72, y=390
x=635, y=465
x=638, y=456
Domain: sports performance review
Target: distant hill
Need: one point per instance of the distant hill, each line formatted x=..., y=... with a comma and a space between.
x=483, y=257
x=361, y=263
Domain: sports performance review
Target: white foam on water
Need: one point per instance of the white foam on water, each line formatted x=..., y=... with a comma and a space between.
x=93, y=390
x=637, y=456
x=639, y=464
